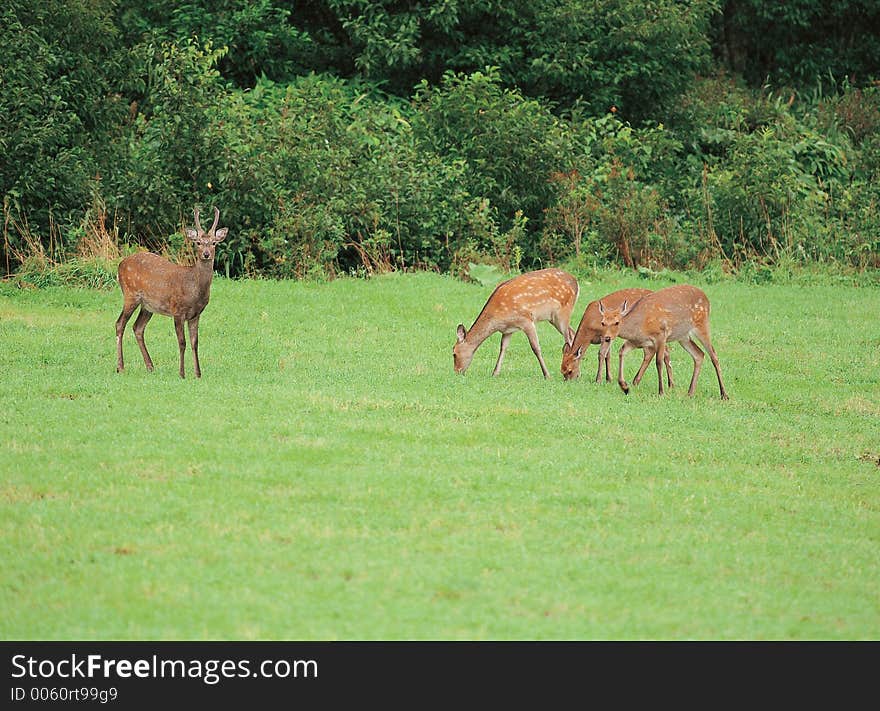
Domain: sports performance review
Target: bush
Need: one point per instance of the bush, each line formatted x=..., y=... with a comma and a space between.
x=154, y=108
x=347, y=176
x=508, y=146
x=172, y=146
x=257, y=33
x=781, y=177
x=63, y=77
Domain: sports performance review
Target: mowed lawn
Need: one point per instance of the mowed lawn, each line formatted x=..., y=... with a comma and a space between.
x=330, y=477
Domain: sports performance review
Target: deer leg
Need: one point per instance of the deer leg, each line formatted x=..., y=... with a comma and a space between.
x=624, y=349
x=698, y=356
x=140, y=324
x=121, y=322
x=658, y=353
x=704, y=339
x=668, y=362
x=648, y=354
x=603, y=358
x=532, y=335
x=505, y=339
x=181, y=341
x=193, y=324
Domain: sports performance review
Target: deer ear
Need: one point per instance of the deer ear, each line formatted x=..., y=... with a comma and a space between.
x=601, y=308
x=461, y=333
x=569, y=336
x=579, y=353
x=192, y=234
x=623, y=308
x=220, y=234
x=566, y=348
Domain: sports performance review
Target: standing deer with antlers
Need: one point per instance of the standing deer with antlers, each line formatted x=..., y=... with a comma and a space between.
x=158, y=286
x=516, y=305
x=589, y=332
x=676, y=313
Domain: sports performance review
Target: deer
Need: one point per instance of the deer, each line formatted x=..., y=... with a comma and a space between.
x=589, y=332
x=676, y=313
x=159, y=286
x=517, y=305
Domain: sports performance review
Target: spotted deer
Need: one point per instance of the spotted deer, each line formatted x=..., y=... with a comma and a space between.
x=590, y=332
x=676, y=313
x=158, y=286
x=517, y=305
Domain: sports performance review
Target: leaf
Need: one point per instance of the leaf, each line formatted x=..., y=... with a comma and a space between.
x=486, y=274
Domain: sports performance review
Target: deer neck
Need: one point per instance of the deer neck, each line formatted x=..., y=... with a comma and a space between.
x=204, y=273
x=480, y=331
x=632, y=325
x=584, y=336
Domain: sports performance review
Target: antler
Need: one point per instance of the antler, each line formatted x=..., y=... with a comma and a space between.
x=216, y=219
x=198, y=224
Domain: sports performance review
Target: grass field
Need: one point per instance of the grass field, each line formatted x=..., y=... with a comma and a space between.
x=329, y=477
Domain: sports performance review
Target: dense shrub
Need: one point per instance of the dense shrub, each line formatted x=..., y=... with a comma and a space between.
x=798, y=43
x=171, y=146
x=63, y=78
x=349, y=186
x=360, y=136
x=257, y=33
x=508, y=145
x=781, y=172
x=633, y=54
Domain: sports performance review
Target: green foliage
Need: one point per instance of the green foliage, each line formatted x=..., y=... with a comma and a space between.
x=781, y=176
x=353, y=188
x=798, y=43
x=486, y=244
x=76, y=272
x=362, y=136
x=63, y=75
x=636, y=55
x=509, y=145
x=174, y=140
x=257, y=33
x=487, y=275
x=615, y=209
x=633, y=55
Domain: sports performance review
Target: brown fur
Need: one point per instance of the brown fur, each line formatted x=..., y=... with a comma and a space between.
x=676, y=313
x=517, y=305
x=590, y=332
x=158, y=286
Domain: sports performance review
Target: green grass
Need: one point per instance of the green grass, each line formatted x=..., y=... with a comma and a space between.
x=329, y=477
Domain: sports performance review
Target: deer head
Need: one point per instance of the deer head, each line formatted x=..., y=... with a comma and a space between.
x=610, y=323
x=462, y=351
x=206, y=242
x=571, y=366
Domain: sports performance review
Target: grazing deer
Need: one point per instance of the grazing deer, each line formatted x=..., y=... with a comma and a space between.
x=517, y=305
x=590, y=332
x=676, y=313
x=158, y=286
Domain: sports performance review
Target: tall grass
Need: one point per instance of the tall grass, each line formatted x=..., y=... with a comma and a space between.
x=88, y=260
